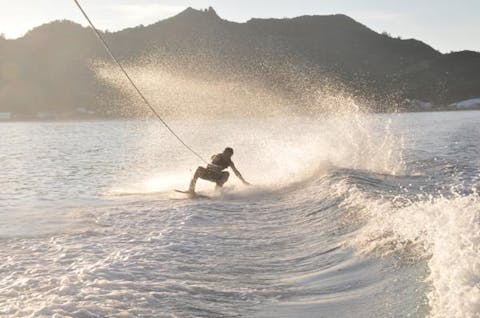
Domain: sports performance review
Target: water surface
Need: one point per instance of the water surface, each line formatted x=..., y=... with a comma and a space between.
x=358, y=216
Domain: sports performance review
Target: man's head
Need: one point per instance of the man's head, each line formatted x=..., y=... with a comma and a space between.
x=228, y=152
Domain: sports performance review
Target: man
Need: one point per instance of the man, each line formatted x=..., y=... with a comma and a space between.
x=214, y=171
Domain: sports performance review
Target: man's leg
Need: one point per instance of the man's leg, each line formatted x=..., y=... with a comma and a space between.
x=198, y=174
x=222, y=181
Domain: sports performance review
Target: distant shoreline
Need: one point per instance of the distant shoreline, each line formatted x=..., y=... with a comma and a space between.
x=98, y=119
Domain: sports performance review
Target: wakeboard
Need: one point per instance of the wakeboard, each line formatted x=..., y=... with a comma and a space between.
x=193, y=195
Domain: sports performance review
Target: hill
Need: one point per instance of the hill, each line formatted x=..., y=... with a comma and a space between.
x=50, y=68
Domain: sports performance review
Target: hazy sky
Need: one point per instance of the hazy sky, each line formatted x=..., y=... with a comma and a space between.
x=444, y=24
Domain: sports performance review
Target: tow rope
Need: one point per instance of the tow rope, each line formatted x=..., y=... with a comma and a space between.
x=145, y=100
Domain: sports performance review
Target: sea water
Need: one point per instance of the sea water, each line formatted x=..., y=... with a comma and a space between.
x=363, y=215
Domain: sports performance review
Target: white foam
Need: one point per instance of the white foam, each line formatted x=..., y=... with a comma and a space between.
x=271, y=154
x=444, y=231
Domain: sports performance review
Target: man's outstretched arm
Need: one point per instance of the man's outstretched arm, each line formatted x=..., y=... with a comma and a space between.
x=238, y=174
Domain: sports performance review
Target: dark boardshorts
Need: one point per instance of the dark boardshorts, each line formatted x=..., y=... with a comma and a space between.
x=219, y=177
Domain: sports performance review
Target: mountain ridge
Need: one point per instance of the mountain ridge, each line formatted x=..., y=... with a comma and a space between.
x=50, y=66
